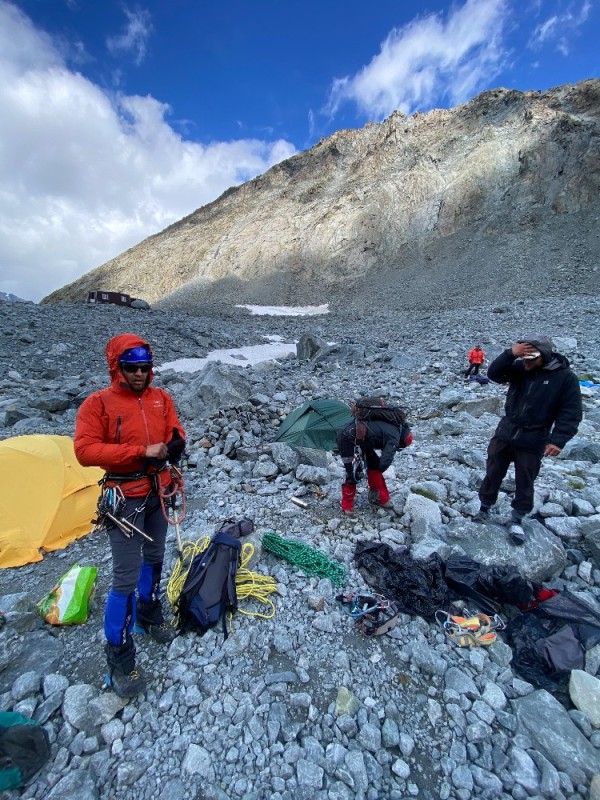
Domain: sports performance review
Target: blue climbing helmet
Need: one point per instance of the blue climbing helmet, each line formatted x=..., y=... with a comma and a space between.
x=136, y=355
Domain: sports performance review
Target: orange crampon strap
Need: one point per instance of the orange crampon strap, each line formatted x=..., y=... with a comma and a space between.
x=176, y=489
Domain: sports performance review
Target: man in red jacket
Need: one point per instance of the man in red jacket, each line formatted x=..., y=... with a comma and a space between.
x=476, y=359
x=132, y=430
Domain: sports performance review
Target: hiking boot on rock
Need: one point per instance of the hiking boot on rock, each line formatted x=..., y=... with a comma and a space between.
x=373, y=496
x=149, y=619
x=482, y=515
x=123, y=677
x=517, y=534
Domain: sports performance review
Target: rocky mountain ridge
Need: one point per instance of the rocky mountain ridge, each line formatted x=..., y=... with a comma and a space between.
x=481, y=197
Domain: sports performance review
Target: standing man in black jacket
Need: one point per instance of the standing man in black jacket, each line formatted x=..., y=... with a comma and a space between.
x=542, y=412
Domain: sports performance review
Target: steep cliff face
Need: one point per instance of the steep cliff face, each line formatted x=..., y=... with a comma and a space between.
x=381, y=200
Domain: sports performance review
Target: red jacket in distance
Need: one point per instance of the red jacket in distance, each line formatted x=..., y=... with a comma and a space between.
x=115, y=425
x=476, y=356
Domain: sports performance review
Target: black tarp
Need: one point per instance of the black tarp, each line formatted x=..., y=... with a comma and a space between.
x=417, y=586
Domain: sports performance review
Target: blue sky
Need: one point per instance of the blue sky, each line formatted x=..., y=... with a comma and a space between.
x=118, y=118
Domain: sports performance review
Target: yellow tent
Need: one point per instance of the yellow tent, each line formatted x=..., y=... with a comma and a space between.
x=46, y=498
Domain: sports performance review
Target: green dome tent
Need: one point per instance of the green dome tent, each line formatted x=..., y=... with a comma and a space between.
x=315, y=424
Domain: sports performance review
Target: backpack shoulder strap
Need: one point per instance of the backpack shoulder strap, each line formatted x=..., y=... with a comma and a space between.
x=361, y=432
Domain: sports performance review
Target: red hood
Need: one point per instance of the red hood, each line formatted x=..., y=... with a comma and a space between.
x=116, y=347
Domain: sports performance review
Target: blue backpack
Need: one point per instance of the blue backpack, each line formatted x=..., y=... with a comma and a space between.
x=209, y=591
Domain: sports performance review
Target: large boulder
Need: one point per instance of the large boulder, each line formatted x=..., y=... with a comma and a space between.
x=216, y=387
x=541, y=557
x=543, y=719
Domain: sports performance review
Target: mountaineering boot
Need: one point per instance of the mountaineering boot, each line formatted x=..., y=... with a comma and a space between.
x=348, y=494
x=373, y=496
x=378, y=491
x=482, y=515
x=150, y=619
x=123, y=677
x=516, y=532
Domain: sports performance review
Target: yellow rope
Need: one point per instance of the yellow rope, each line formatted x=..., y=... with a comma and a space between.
x=254, y=585
x=249, y=585
x=182, y=566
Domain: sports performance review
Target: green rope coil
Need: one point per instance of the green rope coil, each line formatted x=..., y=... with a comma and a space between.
x=312, y=562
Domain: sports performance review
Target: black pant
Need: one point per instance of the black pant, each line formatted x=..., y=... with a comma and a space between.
x=128, y=553
x=527, y=466
x=473, y=368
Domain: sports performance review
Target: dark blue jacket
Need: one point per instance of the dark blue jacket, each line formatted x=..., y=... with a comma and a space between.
x=543, y=406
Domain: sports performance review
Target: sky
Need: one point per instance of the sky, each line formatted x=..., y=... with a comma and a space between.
x=119, y=118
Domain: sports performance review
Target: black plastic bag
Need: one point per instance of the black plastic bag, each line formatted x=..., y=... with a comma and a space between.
x=418, y=587
x=551, y=640
x=488, y=586
x=568, y=608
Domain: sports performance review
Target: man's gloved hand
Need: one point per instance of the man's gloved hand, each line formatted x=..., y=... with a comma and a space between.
x=175, y=447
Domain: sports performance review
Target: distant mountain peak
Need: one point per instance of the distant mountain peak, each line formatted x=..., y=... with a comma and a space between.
x=11, y=298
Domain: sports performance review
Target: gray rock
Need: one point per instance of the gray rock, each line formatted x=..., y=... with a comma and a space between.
x=77, y=709
x=540, y=557
x=581, y=450
x=76, y=785
x=39, y=652
x=547, y=723
x=584, y=691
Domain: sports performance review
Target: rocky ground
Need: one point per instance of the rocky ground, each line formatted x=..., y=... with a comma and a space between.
x=302, y=705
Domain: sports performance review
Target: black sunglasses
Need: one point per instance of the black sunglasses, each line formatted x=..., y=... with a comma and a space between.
x=132, y=368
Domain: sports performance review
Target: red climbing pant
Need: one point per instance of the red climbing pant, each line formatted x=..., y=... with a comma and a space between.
x=376, y=481
x=348, y=492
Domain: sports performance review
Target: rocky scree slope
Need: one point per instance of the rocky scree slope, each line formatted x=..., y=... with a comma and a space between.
x=302, y=706
x=479, y=196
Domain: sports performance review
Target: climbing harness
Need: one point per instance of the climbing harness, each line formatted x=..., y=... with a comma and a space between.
x=310, y=560
x=470, y=629
x=111, y=504
x=373, y=614
x=358, y=464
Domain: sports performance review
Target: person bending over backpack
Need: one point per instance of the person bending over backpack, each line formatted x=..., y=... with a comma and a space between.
x=542, y=412
x=376, y=435
x=131, y=430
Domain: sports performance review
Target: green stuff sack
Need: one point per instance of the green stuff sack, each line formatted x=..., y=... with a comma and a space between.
x=70, y=600
x=24, y=749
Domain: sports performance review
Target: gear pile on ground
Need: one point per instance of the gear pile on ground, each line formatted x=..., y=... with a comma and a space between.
x=304, y=705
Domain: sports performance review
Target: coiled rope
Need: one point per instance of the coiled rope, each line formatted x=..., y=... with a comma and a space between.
x=311, y=561
x=248, y=585
x=253, y=585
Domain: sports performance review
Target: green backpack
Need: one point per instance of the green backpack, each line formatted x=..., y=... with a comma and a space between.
x=24, y=749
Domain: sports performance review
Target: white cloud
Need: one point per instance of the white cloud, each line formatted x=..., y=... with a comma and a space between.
x=558, y=29
x=429, y=59
x=85, y=175
x=136, y=34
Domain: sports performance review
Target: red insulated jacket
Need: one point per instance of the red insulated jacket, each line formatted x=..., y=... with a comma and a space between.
x=115, y=425
x=476, y=356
